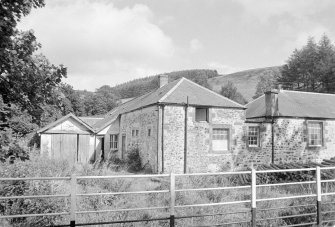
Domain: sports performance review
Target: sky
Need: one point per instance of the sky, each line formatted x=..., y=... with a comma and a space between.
x=108, y=42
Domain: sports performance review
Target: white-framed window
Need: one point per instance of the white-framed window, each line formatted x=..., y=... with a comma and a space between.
x=315, y=133
x=220, y=139
x=114, y=141
x=201, y=114
x=149, y=132
x=135, y=133
x=253, y=136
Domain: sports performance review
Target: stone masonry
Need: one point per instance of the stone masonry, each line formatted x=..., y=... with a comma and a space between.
x=200, y=157
x=290, y=139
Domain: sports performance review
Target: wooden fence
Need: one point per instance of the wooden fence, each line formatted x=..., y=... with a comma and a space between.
x=171, y=209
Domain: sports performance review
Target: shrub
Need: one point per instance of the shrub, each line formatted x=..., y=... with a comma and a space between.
x=35, y=167
x=134, y=160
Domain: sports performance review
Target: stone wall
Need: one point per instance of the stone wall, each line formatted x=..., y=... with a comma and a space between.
x=200, y=157
x=141, y=120
x=290, y=139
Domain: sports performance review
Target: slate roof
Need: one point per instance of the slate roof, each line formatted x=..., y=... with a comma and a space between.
x=296, y=104
x=90, y=120
x=175, y=92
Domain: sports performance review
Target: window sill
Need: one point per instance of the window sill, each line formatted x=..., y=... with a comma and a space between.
x=223, y=152
x=313, y=146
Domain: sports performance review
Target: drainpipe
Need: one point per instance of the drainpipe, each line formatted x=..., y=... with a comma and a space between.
x=161, y=138
x=273, y=140
x=185, y=138
x=271, y=110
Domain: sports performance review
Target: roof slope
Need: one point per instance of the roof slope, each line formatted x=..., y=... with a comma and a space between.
x=70, y=115
x=175, y=92
x=90, y=120
x=297, y=104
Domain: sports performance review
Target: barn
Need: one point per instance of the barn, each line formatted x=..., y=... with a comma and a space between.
x=71, y=138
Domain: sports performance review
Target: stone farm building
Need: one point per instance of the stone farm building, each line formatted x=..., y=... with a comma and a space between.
x=184, y=127
x=291, y=126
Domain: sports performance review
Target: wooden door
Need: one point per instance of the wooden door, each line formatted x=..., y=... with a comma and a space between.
x=64, y=146
x=83, y=148
x=69, y=147
x=56, y=141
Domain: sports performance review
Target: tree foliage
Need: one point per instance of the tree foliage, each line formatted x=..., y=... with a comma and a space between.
x=29, y=94
x=311, y=68
x=264, y=84
x=142, y=86
x=230, y=91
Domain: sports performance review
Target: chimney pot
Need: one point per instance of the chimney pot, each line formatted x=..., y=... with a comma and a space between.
x=163, y=80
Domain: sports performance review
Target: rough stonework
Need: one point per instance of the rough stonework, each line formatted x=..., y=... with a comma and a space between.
x=143, y=120
x=290, y=142
x=200, y=157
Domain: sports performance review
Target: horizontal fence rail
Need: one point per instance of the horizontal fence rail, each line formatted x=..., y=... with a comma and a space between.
x=172, y=208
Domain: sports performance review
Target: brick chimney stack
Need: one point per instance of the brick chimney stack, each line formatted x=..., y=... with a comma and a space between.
x=163, y=80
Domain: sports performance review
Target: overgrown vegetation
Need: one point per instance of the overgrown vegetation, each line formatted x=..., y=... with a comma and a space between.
x=43, y=167
x=134, y=160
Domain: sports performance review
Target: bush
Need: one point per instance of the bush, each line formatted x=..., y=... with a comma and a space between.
x=134, y=160
x=35, y=167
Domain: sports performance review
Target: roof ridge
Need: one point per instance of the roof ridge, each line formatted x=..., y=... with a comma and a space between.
x=91, y=117
x=221, y=96
x=307, y=92
x=172, y=89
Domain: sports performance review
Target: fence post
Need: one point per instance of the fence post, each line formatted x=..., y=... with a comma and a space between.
x=253, y=197
x=73, y=200
x=318, y=193
x=172, y=199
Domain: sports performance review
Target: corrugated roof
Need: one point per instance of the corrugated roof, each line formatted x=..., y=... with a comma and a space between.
x=175, y=92
x=297, y=104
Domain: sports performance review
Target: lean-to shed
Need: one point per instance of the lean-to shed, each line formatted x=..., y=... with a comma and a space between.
x=71, y=138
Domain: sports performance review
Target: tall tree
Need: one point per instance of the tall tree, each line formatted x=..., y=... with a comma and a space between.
x=71, y=100
x=29, y=83
x=230, y=91
x=311, y=68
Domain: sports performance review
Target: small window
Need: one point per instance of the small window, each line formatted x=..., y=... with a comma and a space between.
x=149, y=132
x=253, y=136
x=133, y=133
x=201, y=114
x=114, y=141
x=137, y=132
x=220, y=139
x=315, y=135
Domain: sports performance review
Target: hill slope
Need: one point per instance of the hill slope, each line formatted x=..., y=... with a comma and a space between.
x=245, y=81
x=142, y=86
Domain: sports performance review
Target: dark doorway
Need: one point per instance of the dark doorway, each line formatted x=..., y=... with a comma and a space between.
x=102, y=148
x=123, y=148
